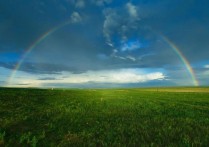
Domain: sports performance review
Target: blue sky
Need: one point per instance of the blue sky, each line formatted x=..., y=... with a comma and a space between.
x=103, y=43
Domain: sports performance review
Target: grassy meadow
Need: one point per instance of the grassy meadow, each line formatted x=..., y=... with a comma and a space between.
x=104, y=117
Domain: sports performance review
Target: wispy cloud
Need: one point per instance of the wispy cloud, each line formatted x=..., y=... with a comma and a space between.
x=132, y=10
x=130, y=46
x=120, y=22
x=75, y=17
x=131, y=58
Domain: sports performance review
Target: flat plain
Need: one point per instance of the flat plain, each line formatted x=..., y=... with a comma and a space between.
x=176, y=116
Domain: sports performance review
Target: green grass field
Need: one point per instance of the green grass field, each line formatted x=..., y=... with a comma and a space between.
x=104, y=117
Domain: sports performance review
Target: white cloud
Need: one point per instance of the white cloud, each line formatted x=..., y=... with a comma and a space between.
x=120, y=22
x=131, y=58
x=75, y=17
x=206, y=66
x=132, y=10
x=124, y=57
x=115, y=76
x=122, y=76
x=110, y=44
x=110, y=23
x=119, y=57
x=131, y=46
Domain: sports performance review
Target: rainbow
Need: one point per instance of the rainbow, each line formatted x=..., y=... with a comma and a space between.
x=51, y=31
x=183, y=59
x=32, y=46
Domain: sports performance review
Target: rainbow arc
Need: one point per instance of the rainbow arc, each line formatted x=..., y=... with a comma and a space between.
x=53, y=30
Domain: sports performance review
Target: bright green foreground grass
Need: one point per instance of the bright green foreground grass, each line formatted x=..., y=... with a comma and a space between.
x=125, y=117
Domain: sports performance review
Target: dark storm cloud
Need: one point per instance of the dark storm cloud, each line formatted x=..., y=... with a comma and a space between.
x=48, y=78
x=40, y=68
x=27, y=84
x=155, y=83
x=9, y=65
x=184, y=22
x=47, y=68
x=24, y=21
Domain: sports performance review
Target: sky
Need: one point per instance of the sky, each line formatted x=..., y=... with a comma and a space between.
x=104, y=43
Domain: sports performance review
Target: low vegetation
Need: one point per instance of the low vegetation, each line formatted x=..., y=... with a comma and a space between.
x=104, y=117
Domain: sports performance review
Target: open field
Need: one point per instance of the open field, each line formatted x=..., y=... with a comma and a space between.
x=104, y=117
